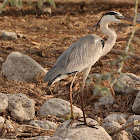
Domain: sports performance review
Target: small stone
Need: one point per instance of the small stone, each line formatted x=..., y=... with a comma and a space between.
x=59, y=108
x=127, y=83
x=136, y=104
x=73, y=38
x=8, y=125
x=21, y=67
x=3, y=102
x=43, y=124
x=21, y=107
x=21, y=36
x=1, y=121
x=42, y=138
x=8, y=35
x=120, y=118
x=77, y=131
x=104, y=100
x=111, y=126
x=46, y=9
x=1, y=60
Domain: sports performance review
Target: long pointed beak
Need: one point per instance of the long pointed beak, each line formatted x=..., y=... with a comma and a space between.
x=128, y=21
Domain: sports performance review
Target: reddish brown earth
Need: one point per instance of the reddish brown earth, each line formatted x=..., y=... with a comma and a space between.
x=47, y=36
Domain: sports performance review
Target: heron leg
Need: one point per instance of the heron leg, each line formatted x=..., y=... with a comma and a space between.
x=86, y=72
x=72, y=117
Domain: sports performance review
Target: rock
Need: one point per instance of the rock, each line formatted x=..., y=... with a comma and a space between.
x=1, y=121
x=3, y=102
x=127, y=83
x=1, y=124
x=113, y=126
x=80, y=132
x=21, y=36
x=43, y=124
x=21, y=67
x=21, y=107
x=120, y=118
x=104, y=100
x=135, y=130
x=136, y=104
x=59, y=108
x=8, y=35
x=43, y=138
x=8, y=125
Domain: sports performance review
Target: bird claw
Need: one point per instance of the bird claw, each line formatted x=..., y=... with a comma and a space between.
x=87, y=124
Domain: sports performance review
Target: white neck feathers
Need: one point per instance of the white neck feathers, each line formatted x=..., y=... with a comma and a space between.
x=110, y=33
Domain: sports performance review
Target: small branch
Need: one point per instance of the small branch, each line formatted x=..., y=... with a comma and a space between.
x=123, y=128
x=49, y=130
x=131, y=36
x=28, y=134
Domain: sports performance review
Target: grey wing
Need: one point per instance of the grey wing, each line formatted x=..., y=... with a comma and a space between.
x=82, y=54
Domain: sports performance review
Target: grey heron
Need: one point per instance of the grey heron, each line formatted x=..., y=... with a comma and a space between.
x=84, y=53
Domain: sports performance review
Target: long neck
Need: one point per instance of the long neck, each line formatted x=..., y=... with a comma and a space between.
x=111, y=36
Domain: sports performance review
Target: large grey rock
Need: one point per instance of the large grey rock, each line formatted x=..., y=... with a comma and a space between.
x=135, y=130
x=21, y=107
x=59, y=108
x=127, y=83
x=80, y=132
x=104, y=100
x=21, y=67
x=118, y=117
x=3, y=102
x=43, y=124
x=136, y=104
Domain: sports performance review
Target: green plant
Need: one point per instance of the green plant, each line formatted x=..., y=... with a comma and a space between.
x=19, y=3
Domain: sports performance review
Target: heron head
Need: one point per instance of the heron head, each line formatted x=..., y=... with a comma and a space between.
x=116, y=17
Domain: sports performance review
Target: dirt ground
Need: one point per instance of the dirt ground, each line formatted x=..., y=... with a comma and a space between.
x=47, y=36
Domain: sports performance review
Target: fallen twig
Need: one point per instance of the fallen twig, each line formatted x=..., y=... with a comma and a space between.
x=27, y=134
x=49, y=130
x=123, y=128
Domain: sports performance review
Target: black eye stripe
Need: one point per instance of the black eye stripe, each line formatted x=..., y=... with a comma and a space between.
x=103, y=43
x=111, y=13
x=117, y=15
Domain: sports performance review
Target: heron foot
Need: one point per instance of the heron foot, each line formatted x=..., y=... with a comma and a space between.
x=87, y=124
x=71, y=122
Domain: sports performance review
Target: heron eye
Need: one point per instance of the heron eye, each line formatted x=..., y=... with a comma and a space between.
x=118, y=16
